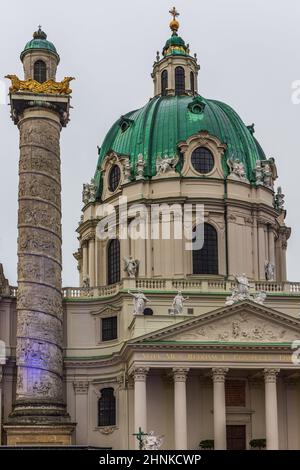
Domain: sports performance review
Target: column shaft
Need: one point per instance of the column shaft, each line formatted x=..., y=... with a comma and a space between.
x=218, y=375
x=140, y=400
x=271, y=408
x=180, y=414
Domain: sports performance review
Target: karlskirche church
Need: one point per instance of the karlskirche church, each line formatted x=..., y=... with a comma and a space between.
x=189, y=345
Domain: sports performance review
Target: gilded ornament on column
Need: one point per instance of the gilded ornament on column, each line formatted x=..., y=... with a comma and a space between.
x=49, y=87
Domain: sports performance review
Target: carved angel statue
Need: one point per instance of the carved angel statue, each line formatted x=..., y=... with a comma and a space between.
x=269, y=271
x=139, y=302
x=152, y=442
x=163, y=165
x=243, y=284
x=131, y=266
x=260, y=298
x=242, y=292
x=177, y=304
x=237, y=168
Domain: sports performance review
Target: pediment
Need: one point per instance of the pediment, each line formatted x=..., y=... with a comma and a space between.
x=242, y=323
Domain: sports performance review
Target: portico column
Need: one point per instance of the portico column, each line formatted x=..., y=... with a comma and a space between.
x=271, y=408
x=140, y=399
x=218, y=376
x=180, y=416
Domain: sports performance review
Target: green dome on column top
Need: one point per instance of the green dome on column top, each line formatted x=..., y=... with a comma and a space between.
x=39, y=41
x=156, y=130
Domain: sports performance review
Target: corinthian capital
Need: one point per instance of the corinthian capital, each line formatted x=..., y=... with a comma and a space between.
x=140, y=374
x=218, y=374
x=180, y=374
x=271, y=375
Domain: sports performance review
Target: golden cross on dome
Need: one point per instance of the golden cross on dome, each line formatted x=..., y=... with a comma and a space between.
x=174, y=13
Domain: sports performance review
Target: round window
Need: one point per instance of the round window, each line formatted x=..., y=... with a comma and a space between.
x=202, y=160
x=114, y=178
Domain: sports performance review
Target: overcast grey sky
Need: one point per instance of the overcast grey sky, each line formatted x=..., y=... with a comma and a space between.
x=249, y=52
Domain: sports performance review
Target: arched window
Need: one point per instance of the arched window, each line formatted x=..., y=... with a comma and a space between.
x=114, y=178
x=40, y=71
x=113, y=261
x=164, y=82
x=192, y=82
x=205, y=261
x=107, y=407
x=179, y=81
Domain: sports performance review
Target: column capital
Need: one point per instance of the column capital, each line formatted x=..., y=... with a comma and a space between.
x=180, y=374
x=218, y=373
x=271, y=375
x=81, y=387
x=140, y=374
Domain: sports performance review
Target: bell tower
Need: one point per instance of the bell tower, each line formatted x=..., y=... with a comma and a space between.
x=40, y=109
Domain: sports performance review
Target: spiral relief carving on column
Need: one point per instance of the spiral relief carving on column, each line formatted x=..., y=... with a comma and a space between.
x=39, y=303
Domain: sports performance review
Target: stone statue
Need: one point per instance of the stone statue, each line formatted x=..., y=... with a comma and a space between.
x=152, y=442
x=279, y=199
x=237, y=169
x=89, y=192
x=85, y=194
x=242, y=292
x=4, y=285
x=269, y=271
x=260, y=298
x=131, y=266
x=127, y=171
x=177, y=304
x=140, y=301
x=86, y=283
x=268, y=176
x=164, y=165
x=140, y=167
x=92, y=191
x=258, y=172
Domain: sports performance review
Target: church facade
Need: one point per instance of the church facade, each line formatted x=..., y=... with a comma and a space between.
x=196, y=345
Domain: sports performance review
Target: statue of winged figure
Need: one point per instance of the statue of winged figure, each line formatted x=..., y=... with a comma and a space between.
x=131, y=266
x=163, y=165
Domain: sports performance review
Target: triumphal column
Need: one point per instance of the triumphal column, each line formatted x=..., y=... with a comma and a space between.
x=40, y=108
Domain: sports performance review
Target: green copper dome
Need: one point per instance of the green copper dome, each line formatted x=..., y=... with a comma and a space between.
x=156, y=129
x=39, y=41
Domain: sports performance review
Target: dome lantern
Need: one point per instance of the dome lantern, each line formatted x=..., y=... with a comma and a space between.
x=39, y=57
x=176, y=73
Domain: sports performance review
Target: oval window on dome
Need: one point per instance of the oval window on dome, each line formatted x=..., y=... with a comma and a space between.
x=114, y=178
x=202, y=160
